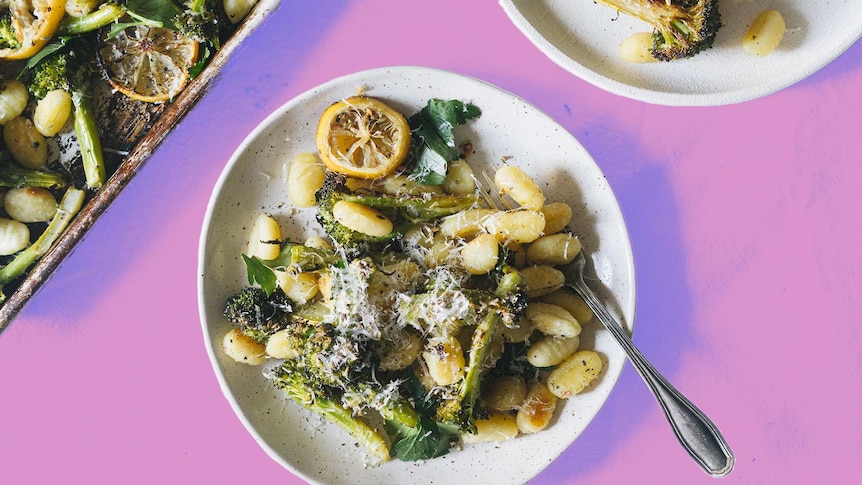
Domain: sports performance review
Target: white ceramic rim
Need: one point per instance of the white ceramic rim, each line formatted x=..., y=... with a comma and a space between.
x=788, y=74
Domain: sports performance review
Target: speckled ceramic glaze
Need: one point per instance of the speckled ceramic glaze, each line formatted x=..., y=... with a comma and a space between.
x=254, y=182
x=583, y=37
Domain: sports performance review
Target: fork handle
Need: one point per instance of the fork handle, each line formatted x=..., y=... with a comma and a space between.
x=697, y=434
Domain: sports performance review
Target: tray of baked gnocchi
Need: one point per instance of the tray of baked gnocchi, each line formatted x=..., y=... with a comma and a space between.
x=88, y=90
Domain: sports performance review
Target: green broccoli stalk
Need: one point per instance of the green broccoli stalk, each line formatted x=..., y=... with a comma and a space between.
x=404, y=210
x=70, y=204
x=106, y=14
x=13, y=175
x=316, y=399
x=328, y=366
x=68, y=69
x=683, y=28
x=298, y=257
x=502, y=307
x=323, y=356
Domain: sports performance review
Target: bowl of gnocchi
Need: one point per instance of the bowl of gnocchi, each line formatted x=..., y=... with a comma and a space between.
x=467, y=360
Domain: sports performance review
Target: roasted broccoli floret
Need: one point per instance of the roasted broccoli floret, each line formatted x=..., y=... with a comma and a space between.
x=404, y=210
x=203, y=21
x=319, y=356
x=70, y=69
x=331, y=372
x=206, y=22
x=13, y=175
x=8, y=39
x=682, y=27
x=256, y=314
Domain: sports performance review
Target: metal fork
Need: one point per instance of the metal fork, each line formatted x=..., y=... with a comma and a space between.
x=697, y=434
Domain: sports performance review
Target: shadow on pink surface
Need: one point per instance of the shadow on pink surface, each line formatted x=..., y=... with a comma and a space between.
x=663, y=303
x=847, y=63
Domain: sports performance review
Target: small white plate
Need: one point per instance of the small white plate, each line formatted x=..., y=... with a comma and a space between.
x=254, y=181
x=583, y=37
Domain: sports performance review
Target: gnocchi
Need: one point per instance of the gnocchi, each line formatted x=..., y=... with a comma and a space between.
x=551, y=351
x=515, y=183
x=572, y=302
x=466, y=224
x=299, y=287
x=505, y=393
x=459, y=178
x=304, y=179
x=402, y=184
x=765, y=34
x=360, y=218
x=404, y=351
x=444, y=360
x=480, y=255
x=279, y=346
x=553, y=320
x=554, y=250
x=265, y=239
x=52, y=112
x=14, y=236
x=537, y=410
x=558, y=215
x=575, y=373
x=243, y=349
x=496, y=427
x=637, y=48
x=27, y=146
x=30, y=204
x=236, y=10
x=542, y=280
x=516, y=226
x=13, y=100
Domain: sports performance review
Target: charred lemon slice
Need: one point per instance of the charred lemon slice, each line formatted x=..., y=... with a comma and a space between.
x=148, y=63
x=27, y=25
x=362, y=137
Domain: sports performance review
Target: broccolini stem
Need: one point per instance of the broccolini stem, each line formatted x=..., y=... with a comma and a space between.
x=336, y=413
x=70, y=204
x=401, y=411
x=12, y=176
x=482, y=338
x=106, y=14
x=88, y=138
x=197, y=6
x=361, y=432
x=509, y=283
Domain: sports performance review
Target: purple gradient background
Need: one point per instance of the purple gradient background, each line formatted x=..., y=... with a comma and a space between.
x=744, y=224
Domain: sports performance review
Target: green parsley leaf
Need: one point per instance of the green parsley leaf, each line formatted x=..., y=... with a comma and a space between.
x=433, y=131
x=54, y=46
x=160, y=13
x=260, y=273
x=428, y=439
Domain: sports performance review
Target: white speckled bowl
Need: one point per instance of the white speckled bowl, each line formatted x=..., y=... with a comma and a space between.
x=584, y=37
x=253, y=181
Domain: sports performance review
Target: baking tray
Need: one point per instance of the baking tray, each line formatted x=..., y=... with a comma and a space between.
x=156, y=121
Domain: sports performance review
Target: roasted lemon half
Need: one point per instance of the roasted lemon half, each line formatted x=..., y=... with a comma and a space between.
x=362, y=137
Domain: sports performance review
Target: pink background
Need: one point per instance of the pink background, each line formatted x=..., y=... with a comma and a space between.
x=744, y=224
